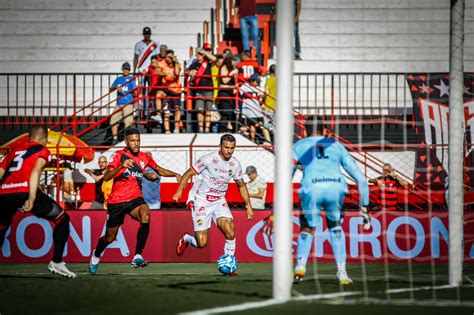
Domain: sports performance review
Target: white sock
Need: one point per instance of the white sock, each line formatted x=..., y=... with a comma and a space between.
x=190, y=240
x=229, y=247
x=301, y=262
x=341, y=267
x=95, y=260
x=137, y=256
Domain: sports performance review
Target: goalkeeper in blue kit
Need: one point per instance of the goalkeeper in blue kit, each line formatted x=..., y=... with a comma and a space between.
x=323, y=186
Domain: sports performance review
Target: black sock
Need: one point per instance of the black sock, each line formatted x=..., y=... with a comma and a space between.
x=60, y=236
x=3, y=232
x=101, y=245
x=142, y=236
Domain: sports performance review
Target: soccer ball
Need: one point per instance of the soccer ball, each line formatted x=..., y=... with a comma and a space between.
x=227, y=264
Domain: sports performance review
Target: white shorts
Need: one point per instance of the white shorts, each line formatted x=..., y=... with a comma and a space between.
x=203, y=211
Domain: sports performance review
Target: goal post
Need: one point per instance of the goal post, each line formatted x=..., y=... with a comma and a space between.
x=282, y=260
x=456, y=142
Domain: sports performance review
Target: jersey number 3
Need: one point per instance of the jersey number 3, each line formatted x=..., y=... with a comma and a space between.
x=17, y=162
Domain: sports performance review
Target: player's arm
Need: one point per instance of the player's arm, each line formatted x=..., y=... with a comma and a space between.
x=167, y=173
x=34, y=183
x=353, y=170
x=112, y=172
x=245, y=196
x=2, y=172
x=182, y=183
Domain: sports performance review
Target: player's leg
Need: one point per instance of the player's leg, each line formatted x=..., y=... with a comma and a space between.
x=336, y=235
x=226, y=225
x=201, y=215
x=115, y=218
x=141, y=213
x=311, y=207
x=47, y=208
x=10, y=204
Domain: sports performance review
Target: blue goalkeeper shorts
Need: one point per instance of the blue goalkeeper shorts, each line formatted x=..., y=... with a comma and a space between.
x=331, y=200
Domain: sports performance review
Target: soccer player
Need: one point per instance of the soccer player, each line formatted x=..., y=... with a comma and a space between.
x=323, y=186
x=20, y=172
x=126, y=168
x=207, y=197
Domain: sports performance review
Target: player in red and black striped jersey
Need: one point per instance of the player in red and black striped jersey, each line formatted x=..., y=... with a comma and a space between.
x=126, y=168
x=20, y=171
x=388, y=185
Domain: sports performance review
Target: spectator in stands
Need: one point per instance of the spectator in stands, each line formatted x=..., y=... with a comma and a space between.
x=170, y=69
x=247, y=12
x=269, y=101
x=297, y=4
x=151, y=187
x=252, y=113
x=162, y=54
x=143, y=52
x=98, y=176
x=388, y=185
x=247, y=66
x=226, y=52
x=126, y=92
x=226, y=95
x=215, y=73
x=153, y=76
x=257, y=188
x=200, y=72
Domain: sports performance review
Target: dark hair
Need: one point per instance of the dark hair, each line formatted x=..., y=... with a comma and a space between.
x=219, y=56
x=170, y=51
x=131, y=131
x=272, y=69
x=227, y=137
x=246, y=53
x=38, y=132
x=154, y=57
x=313, y=124
x=228, y=63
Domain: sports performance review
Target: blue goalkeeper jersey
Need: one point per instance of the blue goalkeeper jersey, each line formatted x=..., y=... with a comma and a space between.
x=320, y=159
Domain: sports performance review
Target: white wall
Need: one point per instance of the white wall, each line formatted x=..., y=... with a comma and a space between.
x=380, y=36
x=92, y=35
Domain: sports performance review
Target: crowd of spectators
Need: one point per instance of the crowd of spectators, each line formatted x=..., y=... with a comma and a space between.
x=208, y=93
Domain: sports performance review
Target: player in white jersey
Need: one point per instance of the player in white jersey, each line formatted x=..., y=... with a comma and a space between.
x=207, y=197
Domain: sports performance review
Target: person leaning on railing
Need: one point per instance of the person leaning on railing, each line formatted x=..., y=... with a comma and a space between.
x=388, y=185
x=153, y=76
x=226, y=103
x=126, y=92
x=201, y=82
x=170, y=69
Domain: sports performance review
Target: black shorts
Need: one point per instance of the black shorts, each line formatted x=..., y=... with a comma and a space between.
x=116, y=211
x=174, y=100
x=43, y=207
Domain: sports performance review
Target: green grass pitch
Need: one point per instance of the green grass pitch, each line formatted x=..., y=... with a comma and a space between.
x=166, y=288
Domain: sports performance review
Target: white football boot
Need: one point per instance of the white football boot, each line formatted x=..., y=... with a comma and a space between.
x=61, y=269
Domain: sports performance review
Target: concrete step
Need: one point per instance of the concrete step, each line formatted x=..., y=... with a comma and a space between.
x=128, y=5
